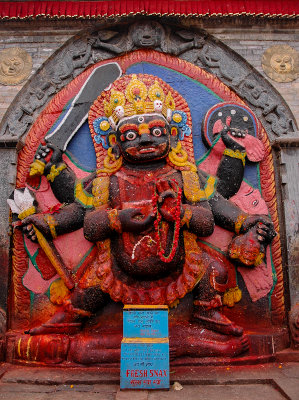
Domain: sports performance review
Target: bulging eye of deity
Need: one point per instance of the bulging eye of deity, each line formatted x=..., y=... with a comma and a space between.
x=131, y=135
x=157, y=132
x=144, y=140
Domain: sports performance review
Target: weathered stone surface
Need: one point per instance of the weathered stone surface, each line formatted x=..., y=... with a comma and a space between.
x=226, y=392
x=270, y=381
x=196, y=46
x=132, y=395
x=52, y=376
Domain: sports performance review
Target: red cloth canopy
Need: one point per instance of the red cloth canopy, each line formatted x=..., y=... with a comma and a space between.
x=98, y=9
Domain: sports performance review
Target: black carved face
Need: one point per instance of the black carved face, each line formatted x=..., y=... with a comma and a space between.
x=147, y=35
x=144, y=138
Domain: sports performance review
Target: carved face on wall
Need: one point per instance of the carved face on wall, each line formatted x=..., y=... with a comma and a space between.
x=282, y=63
x=12, y=66
x=15, y=66
x=144, y=138
x=147, y=34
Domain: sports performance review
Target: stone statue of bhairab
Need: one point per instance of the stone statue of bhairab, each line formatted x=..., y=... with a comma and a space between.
x=145, y=214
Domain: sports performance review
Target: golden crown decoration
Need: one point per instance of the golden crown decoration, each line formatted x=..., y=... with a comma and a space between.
x=138, y=99
x=132, y=95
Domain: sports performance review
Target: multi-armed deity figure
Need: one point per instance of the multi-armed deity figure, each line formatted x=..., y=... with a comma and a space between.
x=145, y=208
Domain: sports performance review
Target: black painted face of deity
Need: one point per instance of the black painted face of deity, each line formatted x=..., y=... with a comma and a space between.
x=144, y=138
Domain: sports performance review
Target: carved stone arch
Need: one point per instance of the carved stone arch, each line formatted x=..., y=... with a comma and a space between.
x=194, y=46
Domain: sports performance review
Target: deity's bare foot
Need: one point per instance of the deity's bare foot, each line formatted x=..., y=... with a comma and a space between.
x=194, y=341
x=61, y=322
x=232, y=347
x=215, y=321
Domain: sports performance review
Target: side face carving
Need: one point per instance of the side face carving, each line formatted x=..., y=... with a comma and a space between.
x=153, y=224
x=280, y=63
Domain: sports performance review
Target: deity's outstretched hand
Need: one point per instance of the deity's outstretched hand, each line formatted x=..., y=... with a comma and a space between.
x=37, y=221
x=232, y=138
x=49, y=155
x=264, y=227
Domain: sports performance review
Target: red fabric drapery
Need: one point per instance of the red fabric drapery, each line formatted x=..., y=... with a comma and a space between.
x=98, y=9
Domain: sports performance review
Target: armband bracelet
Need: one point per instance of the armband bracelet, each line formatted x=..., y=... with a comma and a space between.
x=238, y=224
x=241, y=155
x=186, y=217
x=55, y=171
x=115, y=223
x=50, y=220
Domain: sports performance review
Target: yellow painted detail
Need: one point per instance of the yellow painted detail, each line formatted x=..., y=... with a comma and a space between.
x=145, y=307
x=53, y=258
x=27, y=212
x=104, y=126
x=37, y=168
x=84, y=198
x=55, y=171
x=58, y=292
x=177, y=117
x=241, y=155
x=155, y=92
x=192, y=189
x=145, y=340
x=232, y=296
x=100, y=191
x=19, y=347
x=169, y=101
x=111, y=164
x=210, y=186
x=28, y=348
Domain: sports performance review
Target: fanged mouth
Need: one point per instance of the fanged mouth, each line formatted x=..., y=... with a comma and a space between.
x=147, y=150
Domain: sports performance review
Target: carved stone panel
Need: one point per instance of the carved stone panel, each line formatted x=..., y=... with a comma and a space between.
x=195, y=46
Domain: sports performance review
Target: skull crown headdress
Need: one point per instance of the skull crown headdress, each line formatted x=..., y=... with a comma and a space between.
x=132, y=95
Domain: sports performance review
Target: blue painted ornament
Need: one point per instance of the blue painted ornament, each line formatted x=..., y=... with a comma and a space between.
x=102, y=128
x=179, y=119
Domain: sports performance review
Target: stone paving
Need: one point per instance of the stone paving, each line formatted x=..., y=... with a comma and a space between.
x=275, y=381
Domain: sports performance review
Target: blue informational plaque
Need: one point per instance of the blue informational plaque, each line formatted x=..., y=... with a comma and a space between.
x=145, y=321
x=144, y=364
x=145, y=348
